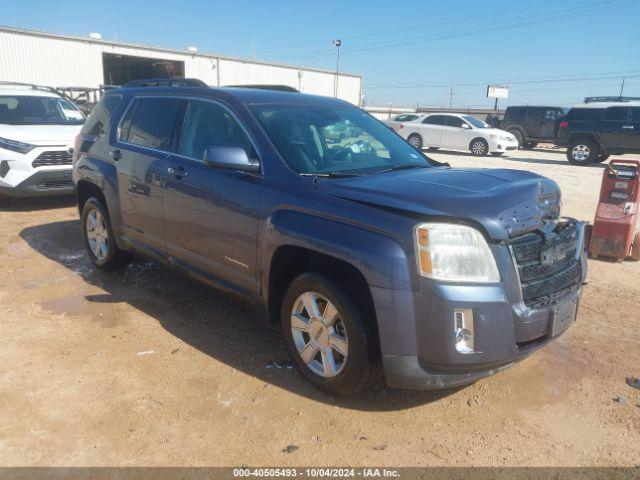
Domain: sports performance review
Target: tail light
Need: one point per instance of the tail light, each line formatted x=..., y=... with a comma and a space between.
x=401, y=126
x=564, y=124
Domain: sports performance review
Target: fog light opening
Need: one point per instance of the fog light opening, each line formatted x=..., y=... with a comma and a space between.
x=463, y=322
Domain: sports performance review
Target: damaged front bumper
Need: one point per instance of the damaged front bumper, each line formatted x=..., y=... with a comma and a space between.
x=507, y=325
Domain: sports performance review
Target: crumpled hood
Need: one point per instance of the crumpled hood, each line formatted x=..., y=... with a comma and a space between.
x=41, y=134
x=505, y=202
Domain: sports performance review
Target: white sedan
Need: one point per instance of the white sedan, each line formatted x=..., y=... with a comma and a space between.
x=457, y=132
x=398, y=121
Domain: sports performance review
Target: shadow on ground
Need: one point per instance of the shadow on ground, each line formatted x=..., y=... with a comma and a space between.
x=40, y=203
x=213, y=322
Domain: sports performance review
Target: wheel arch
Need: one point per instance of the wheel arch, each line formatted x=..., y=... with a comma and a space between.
x=577, y=136
x=85, y=190
x=296, y=242
x=474, y=139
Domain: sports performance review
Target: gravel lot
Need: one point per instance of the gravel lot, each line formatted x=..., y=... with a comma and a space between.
x=145, y=368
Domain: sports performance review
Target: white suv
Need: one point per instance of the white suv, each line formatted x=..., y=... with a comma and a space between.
x=37, y=131
x=458, y=132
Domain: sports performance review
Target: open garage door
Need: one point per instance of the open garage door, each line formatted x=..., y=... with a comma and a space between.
x=119, y=69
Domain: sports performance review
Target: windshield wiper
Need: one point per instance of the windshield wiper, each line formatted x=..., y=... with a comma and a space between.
x=332, y=174
x=403, y=166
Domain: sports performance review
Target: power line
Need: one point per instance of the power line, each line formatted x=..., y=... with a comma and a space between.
x=547, y=79
x=583, y=10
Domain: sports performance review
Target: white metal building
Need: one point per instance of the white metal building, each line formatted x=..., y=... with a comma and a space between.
x=28, y=56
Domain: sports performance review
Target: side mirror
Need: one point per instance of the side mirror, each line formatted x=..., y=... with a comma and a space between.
x=230, y=158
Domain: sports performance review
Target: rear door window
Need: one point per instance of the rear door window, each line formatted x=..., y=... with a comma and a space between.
x=617, y=114
x=635, y=114
x=434, y=120
x=149, y=122
x=454, y=122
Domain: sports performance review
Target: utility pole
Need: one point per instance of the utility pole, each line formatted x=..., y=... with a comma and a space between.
x=622, y=86
x=450, y=98
x=338, y=44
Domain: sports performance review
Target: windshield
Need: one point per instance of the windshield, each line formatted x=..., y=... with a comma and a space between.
x=334, y=139
x=475, y=122
x=34, y=110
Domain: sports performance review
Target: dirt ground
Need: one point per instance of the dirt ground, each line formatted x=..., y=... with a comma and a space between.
x=146, y=368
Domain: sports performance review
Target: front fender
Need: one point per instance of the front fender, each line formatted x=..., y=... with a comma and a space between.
x=380, y=259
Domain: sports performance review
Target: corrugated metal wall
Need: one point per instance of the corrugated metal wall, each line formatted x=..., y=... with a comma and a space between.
x=61, y=62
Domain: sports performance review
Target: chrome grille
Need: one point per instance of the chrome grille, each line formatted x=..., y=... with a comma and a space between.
x=546, y=281
x=58, y=157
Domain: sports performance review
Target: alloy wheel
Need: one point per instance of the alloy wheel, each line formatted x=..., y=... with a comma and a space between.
x=97, y=234
x=478, y=148
x=581, y=153
x=319, y=334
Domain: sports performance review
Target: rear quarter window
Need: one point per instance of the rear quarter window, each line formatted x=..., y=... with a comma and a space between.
x=585, y=114
x=98, y=121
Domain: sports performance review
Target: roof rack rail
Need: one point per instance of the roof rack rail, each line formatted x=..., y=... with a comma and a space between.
x=610, y=99
x=280, y=88
x=166, y=82
x=38, y=87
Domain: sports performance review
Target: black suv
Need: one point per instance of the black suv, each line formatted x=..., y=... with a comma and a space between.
x=593, y=131
x=531, y=125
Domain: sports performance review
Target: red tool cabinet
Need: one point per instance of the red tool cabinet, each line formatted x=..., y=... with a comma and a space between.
x=614, y=228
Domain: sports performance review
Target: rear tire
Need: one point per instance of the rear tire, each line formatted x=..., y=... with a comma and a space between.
x=315, y=340
x=635, y=248
x=601, y=158
x=433, y=149
x=582, y=152
x=415, y=141
x=530, y=145
x=479, y=147
x=99, y=240
x=497, y=154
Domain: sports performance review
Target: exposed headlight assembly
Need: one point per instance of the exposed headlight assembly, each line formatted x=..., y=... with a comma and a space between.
x=454, y=253
x=16, y=146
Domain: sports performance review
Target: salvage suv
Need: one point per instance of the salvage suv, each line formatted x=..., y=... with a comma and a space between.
x=37, y=128
x=369, y=255
x=594, y=131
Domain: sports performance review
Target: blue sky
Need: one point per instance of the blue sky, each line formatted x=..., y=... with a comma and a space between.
x=408, y=51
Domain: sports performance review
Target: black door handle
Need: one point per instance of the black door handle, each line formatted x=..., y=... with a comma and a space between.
x=115, y=154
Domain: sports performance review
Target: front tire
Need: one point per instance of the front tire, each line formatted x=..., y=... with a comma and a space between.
x=479, y=147
x=519, y=137
x=99, y=240
x=327, y=337
x=530, y=145
x=582, y=152
x=415, y=141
